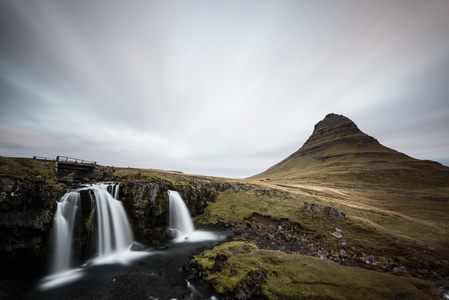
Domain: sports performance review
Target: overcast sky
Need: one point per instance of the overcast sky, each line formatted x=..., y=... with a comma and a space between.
x=224, y=88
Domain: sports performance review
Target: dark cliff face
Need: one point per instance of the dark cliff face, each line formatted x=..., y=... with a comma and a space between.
x=26, y=215
x=27, y=209
x=146, y=204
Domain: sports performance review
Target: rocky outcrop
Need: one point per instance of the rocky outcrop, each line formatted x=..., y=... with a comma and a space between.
x=333, y=212
x=336, y=128
x=26, y=214
x=147, y=206
x=251, y=284
x=288, y=237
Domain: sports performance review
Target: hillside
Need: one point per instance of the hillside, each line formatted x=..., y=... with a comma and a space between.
x=277, y=234
x=339, y=153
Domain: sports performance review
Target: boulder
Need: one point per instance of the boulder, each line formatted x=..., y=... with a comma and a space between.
x=136, y=246
x=336, y=214
x=333, y=212
x=172, y=234
x=337, y=234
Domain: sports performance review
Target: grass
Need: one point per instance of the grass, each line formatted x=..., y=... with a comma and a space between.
x=437, y=191
x=408, y=225
x=32, y=170
x=293, y=276
x=405, y=227
x=177, y=178
x=232, y=207
x=26, y=167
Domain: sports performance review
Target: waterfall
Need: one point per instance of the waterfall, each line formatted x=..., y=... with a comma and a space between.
x=111, y=187
x=63, y=224
x=179, y=216
x=113, y=232
x=181, y=223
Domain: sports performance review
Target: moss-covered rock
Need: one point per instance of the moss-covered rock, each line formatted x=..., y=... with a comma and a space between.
x=249, y=271
x=146, y=204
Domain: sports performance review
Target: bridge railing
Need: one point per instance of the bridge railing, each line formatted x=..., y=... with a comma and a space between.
x=43, y=158
x=74, y=160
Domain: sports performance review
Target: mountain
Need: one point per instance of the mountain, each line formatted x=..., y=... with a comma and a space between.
x=339, y=153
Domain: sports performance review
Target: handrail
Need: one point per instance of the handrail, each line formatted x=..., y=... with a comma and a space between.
x=42, y=158
x=74, y=160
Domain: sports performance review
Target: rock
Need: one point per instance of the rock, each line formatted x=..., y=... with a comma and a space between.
x=343, y=244
x=172, y=234
x=400, y=269
x=333, y=212
x=218, y=266
x=222, y=256
x=162, y=247
x=318, y=209
x=136, y=246
x=337, y=234
x=26, y=214
x=336, y=214
x=250, y=285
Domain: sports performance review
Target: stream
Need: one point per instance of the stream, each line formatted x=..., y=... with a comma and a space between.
x=155, y=274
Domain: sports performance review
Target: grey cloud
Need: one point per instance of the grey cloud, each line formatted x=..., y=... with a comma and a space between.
x=220, y=88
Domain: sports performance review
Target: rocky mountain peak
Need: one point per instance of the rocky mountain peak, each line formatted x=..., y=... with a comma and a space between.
x=339, y=153
x=336, y=127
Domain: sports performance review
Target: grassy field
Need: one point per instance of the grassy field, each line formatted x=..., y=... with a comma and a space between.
x=26, y=168
x=409, y=227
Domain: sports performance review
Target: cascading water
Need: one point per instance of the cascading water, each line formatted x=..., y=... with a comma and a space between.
x=112, y=230
x=106, y=217
x=63, y=224
x=179, y=215
x=111, y=187
x=180, y=221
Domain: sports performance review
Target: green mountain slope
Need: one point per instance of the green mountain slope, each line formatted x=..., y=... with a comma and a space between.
x=339, y=153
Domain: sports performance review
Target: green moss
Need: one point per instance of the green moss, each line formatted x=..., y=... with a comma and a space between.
x=69, y=176
x=31, y=170
x=293, y=276
x=26, y=167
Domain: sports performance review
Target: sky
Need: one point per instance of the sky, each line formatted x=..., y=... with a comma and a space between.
x=220, y=88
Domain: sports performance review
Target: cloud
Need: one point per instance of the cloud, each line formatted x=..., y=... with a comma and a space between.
x=219, y=88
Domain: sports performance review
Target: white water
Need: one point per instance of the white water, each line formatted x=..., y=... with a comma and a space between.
x=179, y=215
x=180, y=220
x=111, y=187
x=63, y=224
x=114, y=235
x=114, y=232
